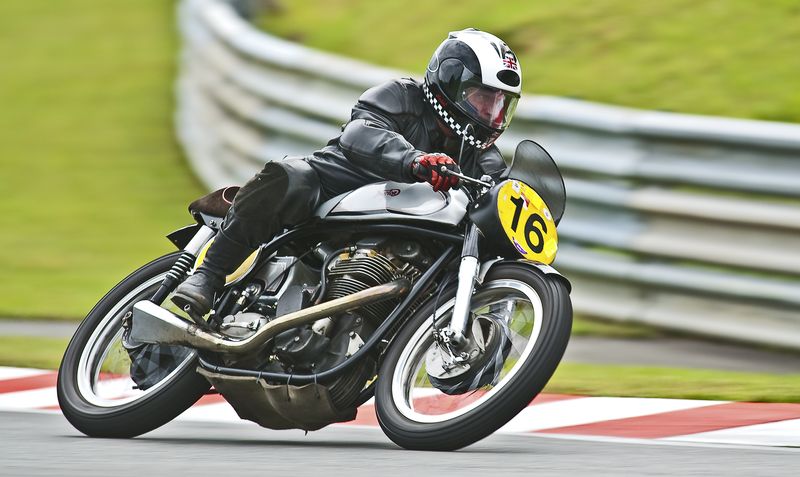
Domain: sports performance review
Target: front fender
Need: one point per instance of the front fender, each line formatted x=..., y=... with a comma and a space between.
x=543, y=268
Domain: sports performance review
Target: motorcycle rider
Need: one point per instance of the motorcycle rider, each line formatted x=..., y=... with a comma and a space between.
x=401, y=131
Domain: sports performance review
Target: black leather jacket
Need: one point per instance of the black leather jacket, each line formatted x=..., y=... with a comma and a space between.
x=389, y=127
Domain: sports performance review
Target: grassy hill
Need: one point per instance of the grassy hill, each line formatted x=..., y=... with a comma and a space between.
x=90, y=175
x=720, y=57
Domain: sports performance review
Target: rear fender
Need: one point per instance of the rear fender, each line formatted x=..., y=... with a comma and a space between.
x=181, y=237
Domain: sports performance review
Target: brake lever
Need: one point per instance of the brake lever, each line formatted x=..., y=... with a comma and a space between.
x=447, y=172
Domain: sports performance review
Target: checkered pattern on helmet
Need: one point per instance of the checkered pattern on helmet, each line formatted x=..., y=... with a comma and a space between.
x=450, y=121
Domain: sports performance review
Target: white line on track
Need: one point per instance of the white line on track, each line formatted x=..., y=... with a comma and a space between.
x=573, y=412
x=7, y=372
x=781, y=433
x=30, y=399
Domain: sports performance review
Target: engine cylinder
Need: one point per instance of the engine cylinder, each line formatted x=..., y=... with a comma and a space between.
x=364, y=269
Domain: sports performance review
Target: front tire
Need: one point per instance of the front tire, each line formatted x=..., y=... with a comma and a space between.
x=416, y=415
x=95, y=391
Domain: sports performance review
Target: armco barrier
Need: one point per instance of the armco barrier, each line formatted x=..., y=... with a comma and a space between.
x=680, y=221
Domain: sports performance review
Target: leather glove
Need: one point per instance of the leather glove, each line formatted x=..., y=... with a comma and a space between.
x=427, y=168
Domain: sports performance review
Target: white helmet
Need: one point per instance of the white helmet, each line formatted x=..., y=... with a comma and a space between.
x=473, y=81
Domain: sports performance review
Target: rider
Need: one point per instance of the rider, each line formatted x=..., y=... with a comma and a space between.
x=401, y=130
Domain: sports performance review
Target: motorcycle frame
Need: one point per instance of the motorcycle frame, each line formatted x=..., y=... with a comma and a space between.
x=382, y=334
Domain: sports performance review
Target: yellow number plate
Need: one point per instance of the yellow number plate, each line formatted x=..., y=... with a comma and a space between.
x=527, y=222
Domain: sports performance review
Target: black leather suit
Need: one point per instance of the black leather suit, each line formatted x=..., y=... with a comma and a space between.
x=389, y=127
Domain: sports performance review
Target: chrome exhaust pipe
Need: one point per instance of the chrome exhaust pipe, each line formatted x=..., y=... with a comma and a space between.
x=155, y=325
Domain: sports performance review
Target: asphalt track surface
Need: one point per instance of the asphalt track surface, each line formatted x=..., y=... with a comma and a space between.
x=45, y=444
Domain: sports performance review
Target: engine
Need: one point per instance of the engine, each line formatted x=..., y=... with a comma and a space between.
x=329, y=341
x=354, y=271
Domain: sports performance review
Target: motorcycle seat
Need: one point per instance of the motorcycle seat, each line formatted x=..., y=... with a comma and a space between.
x=215, y=204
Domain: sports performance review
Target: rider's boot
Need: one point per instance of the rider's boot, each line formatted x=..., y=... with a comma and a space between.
x=196, y=294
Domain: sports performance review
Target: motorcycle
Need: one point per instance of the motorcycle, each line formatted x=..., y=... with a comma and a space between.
x=368, y=299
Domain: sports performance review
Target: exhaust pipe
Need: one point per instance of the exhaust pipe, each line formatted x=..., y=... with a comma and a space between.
x=155, y=325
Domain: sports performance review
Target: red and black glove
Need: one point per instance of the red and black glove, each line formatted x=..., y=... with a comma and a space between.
x=427, y=168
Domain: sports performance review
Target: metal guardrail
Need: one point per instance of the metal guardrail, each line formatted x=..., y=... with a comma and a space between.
x=680, y=221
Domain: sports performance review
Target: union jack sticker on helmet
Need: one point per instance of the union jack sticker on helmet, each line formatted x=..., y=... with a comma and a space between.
x=510, y=61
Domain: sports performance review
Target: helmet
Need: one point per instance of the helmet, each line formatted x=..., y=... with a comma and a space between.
x=473, y=82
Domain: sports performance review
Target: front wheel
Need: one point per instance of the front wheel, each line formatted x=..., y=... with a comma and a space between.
x=430, y=397
x=96, y=391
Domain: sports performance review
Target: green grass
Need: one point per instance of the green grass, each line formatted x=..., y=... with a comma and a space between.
x=721, y=57
x=27, y=352
x=646, y=381
x=582, y=326
x=90, y=174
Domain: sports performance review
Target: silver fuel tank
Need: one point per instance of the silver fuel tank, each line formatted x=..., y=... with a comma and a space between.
x=383, y=201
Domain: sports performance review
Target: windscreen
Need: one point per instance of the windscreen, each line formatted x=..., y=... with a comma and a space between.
x=534, y=166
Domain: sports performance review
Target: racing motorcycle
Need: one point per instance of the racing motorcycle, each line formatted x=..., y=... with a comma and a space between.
x=443, y=307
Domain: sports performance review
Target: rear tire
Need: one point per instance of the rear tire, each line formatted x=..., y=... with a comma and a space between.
x=96, y=342
x=488, y=409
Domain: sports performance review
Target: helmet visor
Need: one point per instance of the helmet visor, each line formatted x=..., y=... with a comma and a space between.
x=492, y=107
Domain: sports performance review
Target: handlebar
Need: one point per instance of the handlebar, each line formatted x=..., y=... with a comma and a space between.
x=447, y=172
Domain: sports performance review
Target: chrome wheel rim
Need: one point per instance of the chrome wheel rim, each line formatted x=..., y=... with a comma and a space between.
x=412, y=392
x=103, y=378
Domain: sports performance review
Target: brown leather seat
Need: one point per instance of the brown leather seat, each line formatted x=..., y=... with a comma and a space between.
x=215, y=204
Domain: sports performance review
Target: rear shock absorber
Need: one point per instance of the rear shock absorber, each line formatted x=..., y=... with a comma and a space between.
x=182, y=266
x=184, y=263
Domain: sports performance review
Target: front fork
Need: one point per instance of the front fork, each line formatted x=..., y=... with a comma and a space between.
x=467, y=273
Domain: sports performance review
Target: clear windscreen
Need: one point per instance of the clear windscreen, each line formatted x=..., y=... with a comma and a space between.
x=535, y=167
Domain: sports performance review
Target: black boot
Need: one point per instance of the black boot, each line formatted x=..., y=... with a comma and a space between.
x=196, y=294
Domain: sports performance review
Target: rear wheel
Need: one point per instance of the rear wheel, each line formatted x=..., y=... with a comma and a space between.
x=95, y=389
x=427, y=400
